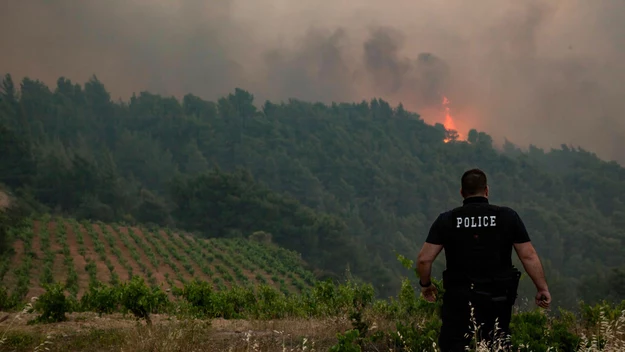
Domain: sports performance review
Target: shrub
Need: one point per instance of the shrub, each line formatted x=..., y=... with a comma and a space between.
x=101, y=298
x=347, y=342
x=53, y=304
x=200, y=295
x=141, y=300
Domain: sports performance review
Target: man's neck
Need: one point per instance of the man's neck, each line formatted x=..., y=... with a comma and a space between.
x=475, y=199
x=481, y=195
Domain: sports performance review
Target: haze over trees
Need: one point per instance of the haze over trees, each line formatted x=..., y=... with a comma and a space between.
x=348, y=185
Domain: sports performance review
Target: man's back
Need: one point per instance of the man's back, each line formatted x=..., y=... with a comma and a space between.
x=478, y=237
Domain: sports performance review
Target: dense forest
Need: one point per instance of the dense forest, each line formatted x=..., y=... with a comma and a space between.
x=348, y=185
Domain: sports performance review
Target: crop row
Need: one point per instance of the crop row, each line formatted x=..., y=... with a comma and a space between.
x=148, y=253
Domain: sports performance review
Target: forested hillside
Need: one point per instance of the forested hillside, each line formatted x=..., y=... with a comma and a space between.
x=348, y=185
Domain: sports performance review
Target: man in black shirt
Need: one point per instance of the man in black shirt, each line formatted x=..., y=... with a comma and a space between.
x=479, y=279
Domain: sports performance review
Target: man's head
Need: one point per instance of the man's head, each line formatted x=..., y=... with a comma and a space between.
x=474, y=184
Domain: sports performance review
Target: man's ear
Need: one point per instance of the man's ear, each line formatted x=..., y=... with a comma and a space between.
x=461, y=193
x=486, y=191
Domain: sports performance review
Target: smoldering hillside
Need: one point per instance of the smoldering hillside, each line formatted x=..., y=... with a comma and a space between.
x=541, y=72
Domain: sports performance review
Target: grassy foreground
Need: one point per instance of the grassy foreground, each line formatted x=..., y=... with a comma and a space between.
x=133, y=316
x=115, y=332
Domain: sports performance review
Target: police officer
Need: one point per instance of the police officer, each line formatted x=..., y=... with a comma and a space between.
x=479, y=279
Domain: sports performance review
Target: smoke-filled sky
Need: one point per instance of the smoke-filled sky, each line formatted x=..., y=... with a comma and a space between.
x=546, y=72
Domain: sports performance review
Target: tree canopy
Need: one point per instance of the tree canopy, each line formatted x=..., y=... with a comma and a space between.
x=348, y=185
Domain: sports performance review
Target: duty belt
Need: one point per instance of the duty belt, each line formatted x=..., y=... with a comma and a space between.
x=496, y=287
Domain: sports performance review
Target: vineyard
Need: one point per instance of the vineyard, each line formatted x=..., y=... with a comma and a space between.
x=58, y=250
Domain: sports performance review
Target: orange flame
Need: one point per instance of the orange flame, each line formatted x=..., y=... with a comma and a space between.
x=449, y=121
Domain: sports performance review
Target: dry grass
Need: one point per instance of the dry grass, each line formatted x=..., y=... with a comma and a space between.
x=190, y=336
x=17, y=319
x=119, y=333
x=611, y=337
x=88, y=332
x=239, y=335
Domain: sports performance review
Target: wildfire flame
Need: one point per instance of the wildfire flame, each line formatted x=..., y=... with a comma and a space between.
x=449, y=121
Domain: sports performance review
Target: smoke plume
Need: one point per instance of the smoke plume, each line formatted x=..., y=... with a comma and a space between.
x=543, y=72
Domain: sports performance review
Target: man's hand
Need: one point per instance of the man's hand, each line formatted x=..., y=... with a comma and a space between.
x=543, y=298
x=429, y=293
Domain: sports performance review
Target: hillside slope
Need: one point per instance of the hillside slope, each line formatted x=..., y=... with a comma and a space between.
x=77, y=253
x=350, y=184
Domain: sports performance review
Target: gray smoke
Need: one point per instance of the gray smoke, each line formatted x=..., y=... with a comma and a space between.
x=541, y=71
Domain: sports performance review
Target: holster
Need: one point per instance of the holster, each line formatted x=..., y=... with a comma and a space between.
x=500, y=287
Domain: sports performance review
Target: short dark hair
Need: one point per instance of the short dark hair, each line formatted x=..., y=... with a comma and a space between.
x=473, y=182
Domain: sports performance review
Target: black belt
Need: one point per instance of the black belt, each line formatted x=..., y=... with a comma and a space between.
x=498, y=287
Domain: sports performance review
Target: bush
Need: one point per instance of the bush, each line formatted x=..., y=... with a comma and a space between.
x=200, y=295
x=141, y=300
x=53, y=305
x=101, y=298
x=347, y=342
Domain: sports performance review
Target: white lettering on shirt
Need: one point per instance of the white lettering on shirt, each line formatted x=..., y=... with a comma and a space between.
x=476, y=221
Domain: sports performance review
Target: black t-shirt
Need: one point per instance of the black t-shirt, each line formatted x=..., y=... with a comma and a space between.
x=477, y=237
